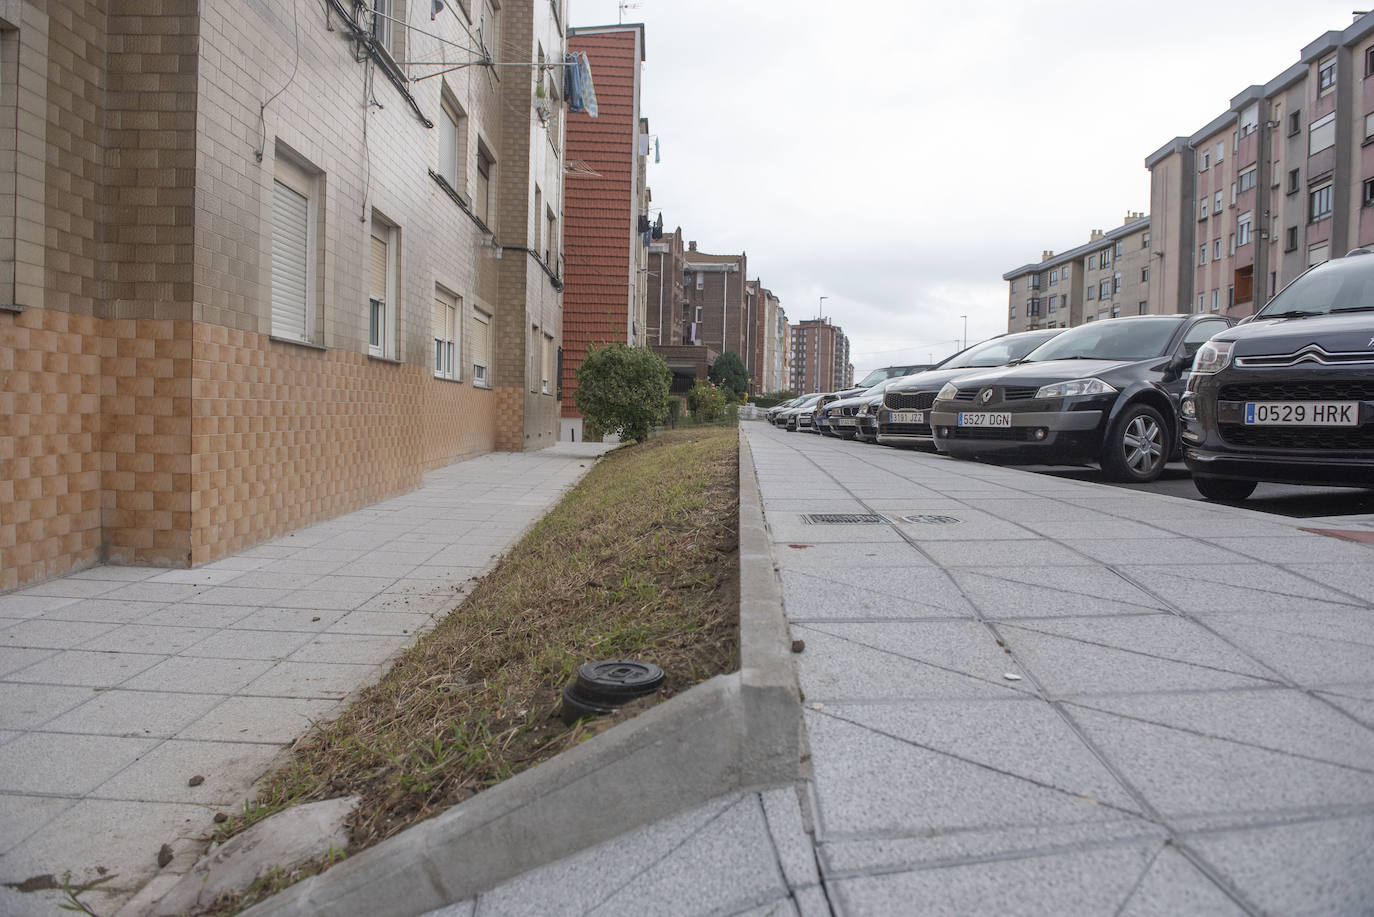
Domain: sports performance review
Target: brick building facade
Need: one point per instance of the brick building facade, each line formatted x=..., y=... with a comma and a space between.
x=258, y=273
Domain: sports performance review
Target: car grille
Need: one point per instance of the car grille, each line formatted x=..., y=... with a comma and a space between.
x=1014, y=434
x=909, y=401
x=1304, y=438
x=1335, y=390
x=848, y=412
x=906, y=429
x=1010, y=393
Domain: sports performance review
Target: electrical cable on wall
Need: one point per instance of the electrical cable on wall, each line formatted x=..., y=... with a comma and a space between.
x=295, y=65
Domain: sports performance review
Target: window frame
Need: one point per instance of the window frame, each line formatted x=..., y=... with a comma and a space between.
x=1322, y=194
x=389, y=312
x=448, y=351
x=479, y=356
x=295, y=178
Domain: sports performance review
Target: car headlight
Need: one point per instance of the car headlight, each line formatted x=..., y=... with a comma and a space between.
x=1213, y=357
x=947, y=391
x=1188, y=407
x=1075, y=387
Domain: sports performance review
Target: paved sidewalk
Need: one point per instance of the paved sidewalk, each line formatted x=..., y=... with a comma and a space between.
x=120, y=684
x=1034, y=696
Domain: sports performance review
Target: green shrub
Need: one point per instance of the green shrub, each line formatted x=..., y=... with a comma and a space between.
x=706, y=402
x=623, y=390
x=729, y=373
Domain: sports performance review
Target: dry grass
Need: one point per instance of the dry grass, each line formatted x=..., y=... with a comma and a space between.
x=640, y=560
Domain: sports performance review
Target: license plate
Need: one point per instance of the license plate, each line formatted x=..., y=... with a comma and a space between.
x=982, y=419
x=907, y=417
x=1302, y=413
x=842, y=421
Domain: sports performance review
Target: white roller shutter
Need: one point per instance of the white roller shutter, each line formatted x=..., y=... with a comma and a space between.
x=290, y=250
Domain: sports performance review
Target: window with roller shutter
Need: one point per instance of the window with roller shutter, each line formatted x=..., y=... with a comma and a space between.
x=294, y=258
x=481, y=349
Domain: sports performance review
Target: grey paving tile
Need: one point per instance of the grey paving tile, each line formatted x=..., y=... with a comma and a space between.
x=1288, y=644
x=13, y=658
x=193, y=674
x=21, y=816
x=313, y=679
x=1182, y=774
x=881, y=592
x=82, y=667
x=1132, y=654
x=795, y=851
x=249, y=644
x=790, y=530
x=811, y=556
x=438, y=605
x=1354, y=580
x=72, y=588
x=1238, y=587
x=361, y=583
x=116, y=573
x=1174, y=886
x=1299, y=547
x=153, y=591
x=382, y=623
x=44, y=633
x=143, y=638
x=268, y=579
x=305, y=620
x=868, y=784
x=354, y=648
x=1356, y=700
x=108, y=610
x=234, y=595
x=197, y=576
x=1018, y=592
x=331, y=600
x=163, y=773
x=1147, y=551
x=19, y=605
x=871, y=661
x=65, y=765
x=998, y=554
x=27, y=706
x=1307, y=868
x=134, y=714
x=1083, y=882
x=972, y=525
x=189, y=615
x=275, y=720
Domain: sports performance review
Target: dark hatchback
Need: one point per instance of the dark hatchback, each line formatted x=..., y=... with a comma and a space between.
x=1288, y=396
x=1106, y=391
x=903, y=419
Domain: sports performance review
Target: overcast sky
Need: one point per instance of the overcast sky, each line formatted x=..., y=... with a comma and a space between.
x=898, y=157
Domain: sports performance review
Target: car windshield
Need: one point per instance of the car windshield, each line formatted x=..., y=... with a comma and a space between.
x=1343, y=285
x=1112, y=339
x=996, y=352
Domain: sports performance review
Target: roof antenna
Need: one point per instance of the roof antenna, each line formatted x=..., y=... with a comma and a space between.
x=627, y=6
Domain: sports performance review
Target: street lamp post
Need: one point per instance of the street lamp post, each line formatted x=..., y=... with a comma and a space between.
x=964, y=345
x=820, y=306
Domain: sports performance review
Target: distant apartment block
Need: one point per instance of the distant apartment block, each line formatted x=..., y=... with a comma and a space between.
x=1106, y=277
x=773, y=343
x=239, y=294
x=606, y=201
x=818, y=354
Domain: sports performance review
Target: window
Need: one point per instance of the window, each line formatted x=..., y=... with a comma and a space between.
x=1033, y=281
x=1202, y=254
x=382, y=300
x=1243, y=229
x=1369, y=61
x=1144, y=275
x=1202, y=209
x=1054, y=277
x=1206, y=162
x=1116, y=283
x=295, y=255
x=1145, y=240
x=1290, y=239
x=1317, y=253
x=1201, y=301
x=1368, y=191
x=446, y=312
x=1054, y=303
x=546, y=364
x=1103, y=289
x=1092, y=262
x=1143, y=309
x=488, y=30
x=701, y=285
x=1247, y=178
x=1326, y=75
x=481, y=200
x=1322, y=134
x=1233, y=243
x=1273, y=282
x=1013, y=286
x=1116, y=253
x=1221, y=148
x=1091, y=292
x=1319, y=203
x=550, y=237
x=698, y=319
x=1013, y=312
x=1064, y=272
x=1216, y=303
x=1106, y=258
x=481, y=348
x=452, y=129
x=1369, y=127
x=1249, y=120
x=1230, y=295
x=1294, y=122
x=1216, y=249
x=1216, y=202
x=1294, y=179
x=538, y=227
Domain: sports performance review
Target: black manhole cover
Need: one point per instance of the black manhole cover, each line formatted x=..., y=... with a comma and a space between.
x=929, y=519
x=844, y=519
x=602, y=687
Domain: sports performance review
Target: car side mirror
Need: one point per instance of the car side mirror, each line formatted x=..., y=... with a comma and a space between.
x=1181, y=363
x=1248, y=318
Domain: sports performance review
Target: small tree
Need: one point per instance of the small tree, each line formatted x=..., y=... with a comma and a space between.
x=705, y=401
x=623, y=389
x=728, y=371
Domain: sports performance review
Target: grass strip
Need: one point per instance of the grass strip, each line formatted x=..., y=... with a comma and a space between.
x=639, y=560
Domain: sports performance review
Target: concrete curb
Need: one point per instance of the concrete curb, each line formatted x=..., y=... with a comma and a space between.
x=735, y=732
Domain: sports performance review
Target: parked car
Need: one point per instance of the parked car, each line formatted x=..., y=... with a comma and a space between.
x=1106, y=391
x=892, y=372
x=1288, y=396
x=840, y=417
x=869, y=403
x=821, y=418
x=772, y=413
x=903, y=419
x=788, y=418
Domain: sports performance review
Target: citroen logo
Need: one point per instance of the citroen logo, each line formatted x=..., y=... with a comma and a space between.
x=986, y=396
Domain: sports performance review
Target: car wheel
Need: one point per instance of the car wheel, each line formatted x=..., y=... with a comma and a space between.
x=1223, y=490
x=1136, y=447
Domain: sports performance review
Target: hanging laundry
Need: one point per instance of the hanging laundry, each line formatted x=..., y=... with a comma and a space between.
x=584, y=68
x=644, y=223
x=644, y=144
x=577, y=84
x=435, y=8
x=658, y=227
x=656, y=152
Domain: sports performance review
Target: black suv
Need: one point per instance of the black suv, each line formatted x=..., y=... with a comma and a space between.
x=1288, y=395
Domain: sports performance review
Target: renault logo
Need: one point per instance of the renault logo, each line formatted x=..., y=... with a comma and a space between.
x=986, y=396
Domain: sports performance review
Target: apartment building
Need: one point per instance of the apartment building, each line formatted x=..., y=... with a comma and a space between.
x=1106, y=277
x=1281, y=180
x=773, y=342
x=720, y=312
x=262, y=266
x=607, y=236
x=818, y=354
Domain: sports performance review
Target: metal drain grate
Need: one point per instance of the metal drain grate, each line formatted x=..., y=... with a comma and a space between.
x=844, y=519
x=928, y=519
